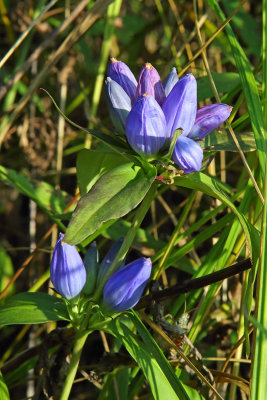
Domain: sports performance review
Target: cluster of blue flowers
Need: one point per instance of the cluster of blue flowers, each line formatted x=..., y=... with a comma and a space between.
x=71, y=275
x=149, y=112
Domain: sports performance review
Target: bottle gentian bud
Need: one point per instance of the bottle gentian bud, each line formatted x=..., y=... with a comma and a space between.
x=108, y=259
x=146, y=126
x=187, y=154
x=119, y=104
x=180, y=106
x=170, y=81
x=121, y=73
x=67, y=270
x=124, y=288
x=91, y=266
x=209, y=118
x=149, y=82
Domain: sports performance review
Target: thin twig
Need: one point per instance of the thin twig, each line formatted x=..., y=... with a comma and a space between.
x=194, y=284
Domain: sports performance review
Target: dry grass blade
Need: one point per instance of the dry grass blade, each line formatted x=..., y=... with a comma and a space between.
x=26, y=33
x=210, y=40
x=39, y=50
x=216, y=94
x=91, y=17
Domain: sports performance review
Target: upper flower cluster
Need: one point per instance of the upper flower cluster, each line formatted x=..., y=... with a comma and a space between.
x=71, y=275
x=149, y=112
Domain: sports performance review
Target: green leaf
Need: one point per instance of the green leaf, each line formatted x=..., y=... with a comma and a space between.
x=214, y=188
x=45, y=195
x=259, y=382
x=4, y=394
x=116, y=385
x=224, y=82
x=115, y=194
x=6, y=270
x=157, y=370
x=32, y=308
x=92, y=164
x=216, y=141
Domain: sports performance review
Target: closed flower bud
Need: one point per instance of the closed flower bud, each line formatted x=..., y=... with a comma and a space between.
x=180, y=106
x=108, y=259
x=121, y=73
x=209, y=118
x=187, y=154
x=170, y=81
x=67, y=270
x=149, y=82
x=119, y=105
x=91, y=267
x=124, y=288
x=146, y=126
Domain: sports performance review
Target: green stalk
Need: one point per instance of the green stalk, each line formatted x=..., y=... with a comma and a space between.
x=139, y=216
x=80, y=339
x=258, y=381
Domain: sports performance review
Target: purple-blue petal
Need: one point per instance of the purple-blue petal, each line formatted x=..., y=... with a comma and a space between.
x=67, y=270
x=124, y=288
x=146, y=126
x=121, y=73
x=209, y=118
x=91, y=266
x=187, y=154
x=119, y=104
x=149, y=82
x=170, y=80
x=108, y=259
x=180, y=106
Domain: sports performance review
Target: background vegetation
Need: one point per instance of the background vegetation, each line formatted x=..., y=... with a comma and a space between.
x=64, y=47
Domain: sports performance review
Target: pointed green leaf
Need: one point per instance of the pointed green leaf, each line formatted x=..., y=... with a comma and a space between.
x=216, y=141
x=157, y=370
x=259, y=382
x=32, y=308
x=224, y=82
x=114, y=195
x=92, y=164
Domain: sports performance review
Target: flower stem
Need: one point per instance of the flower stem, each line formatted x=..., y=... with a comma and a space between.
x=80, y=338
x=139, y=216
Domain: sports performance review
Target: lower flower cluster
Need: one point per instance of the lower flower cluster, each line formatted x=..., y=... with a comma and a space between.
x=149, y=112
x=71, y=275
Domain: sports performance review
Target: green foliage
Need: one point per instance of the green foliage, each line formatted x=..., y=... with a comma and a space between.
x=32, y=308
x=197, y=223
x=3, y=389
x=115, y=194
x=91, y=165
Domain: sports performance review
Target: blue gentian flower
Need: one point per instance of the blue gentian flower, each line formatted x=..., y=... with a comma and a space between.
x=67, y=270
x=208, y=118
x=180, y=106
x=91, y=266
x=121, y=73
x=170, y=80
x=124, y=288
x=119, y=104
x=149, y=82
x=153, y=119
x=187, y=154
x=146, y=129
x=108, y=259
